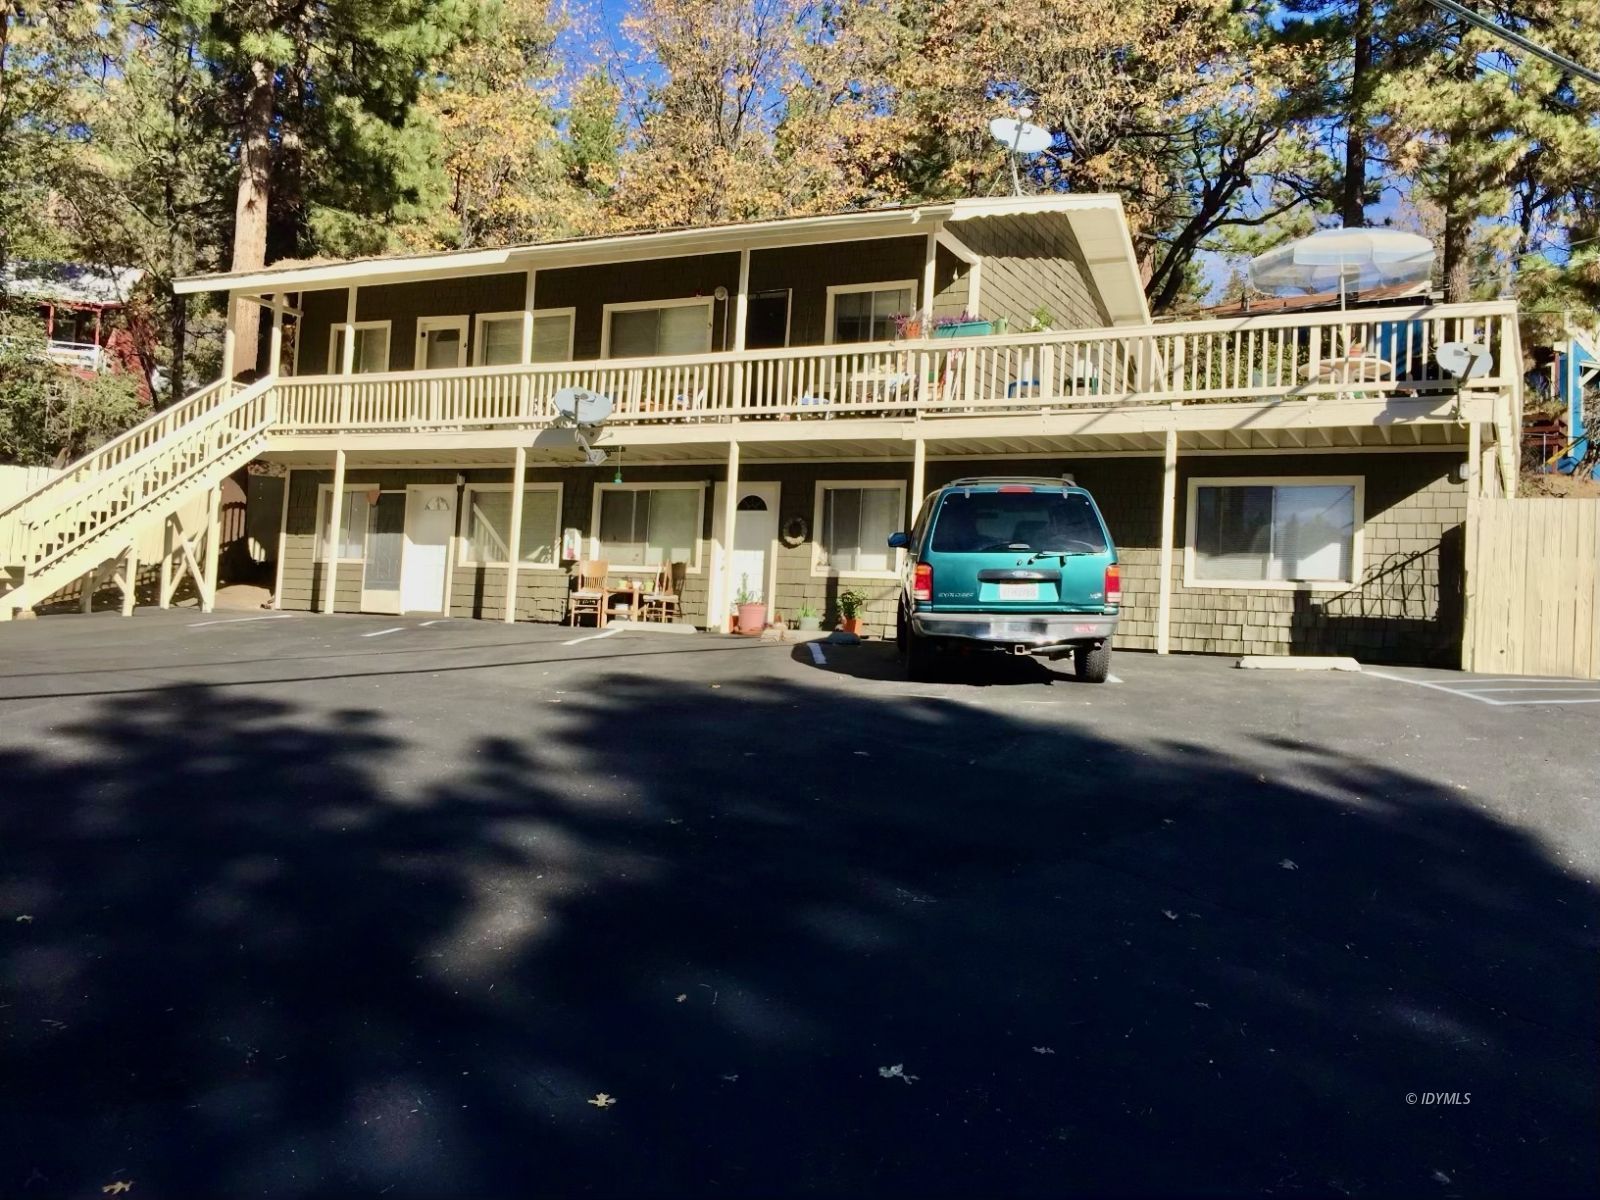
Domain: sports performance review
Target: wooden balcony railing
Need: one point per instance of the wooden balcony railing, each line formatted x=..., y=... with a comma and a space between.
x=1373, y=354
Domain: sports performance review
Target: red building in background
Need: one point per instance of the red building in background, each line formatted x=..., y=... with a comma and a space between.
x=89, y=325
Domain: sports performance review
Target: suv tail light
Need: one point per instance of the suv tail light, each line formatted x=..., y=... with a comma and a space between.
x=1113, y=584
x=922, y=582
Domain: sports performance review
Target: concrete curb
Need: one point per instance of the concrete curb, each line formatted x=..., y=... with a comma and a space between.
x=1268, y=662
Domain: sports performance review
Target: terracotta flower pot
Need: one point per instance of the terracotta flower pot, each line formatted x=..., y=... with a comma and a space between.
x=851, y=625
x=752, y=618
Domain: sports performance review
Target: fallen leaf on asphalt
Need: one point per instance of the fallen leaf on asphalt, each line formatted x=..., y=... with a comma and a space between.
x=25, y=919
x=1043, y=1050
x=1289, y=864
x=898, y=1071
x=602, y=1100
x=117, y=1188
x=682, y=996
x=716, y=685
x=1440, y=1177
x=1169, y=914
x=731, y=1078
x=1201, y=1004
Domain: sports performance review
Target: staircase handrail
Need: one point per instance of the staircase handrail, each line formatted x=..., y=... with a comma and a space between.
x=116, y=452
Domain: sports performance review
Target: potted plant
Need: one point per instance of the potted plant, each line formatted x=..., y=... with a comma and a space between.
x=1041, y=319
x=851, y=602
x=966, y=325
x=807, y=619
x=752, y=612
x=907, y=325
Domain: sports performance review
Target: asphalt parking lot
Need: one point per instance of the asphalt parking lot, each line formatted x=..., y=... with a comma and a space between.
x=347, y=906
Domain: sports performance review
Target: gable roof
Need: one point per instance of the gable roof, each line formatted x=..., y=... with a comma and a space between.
x=1096, y=219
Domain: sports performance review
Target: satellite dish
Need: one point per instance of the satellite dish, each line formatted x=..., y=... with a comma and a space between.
x=581, y=406
x=1463, y=360
x=1020, y=137
x=1017, y=136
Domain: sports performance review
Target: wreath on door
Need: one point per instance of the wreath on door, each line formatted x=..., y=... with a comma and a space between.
x=794, y=532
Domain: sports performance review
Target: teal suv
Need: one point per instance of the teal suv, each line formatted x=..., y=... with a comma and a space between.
x=1009, y=565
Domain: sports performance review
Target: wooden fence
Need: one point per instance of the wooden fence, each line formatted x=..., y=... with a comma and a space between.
x=1533, y=588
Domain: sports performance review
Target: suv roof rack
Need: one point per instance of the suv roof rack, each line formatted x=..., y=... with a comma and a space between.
x=1065, y=479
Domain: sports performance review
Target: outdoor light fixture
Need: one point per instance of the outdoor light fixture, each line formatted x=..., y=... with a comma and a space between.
x=617, y=478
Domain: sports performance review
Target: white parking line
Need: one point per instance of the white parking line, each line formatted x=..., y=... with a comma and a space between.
x=817, y=656
x=589, y=637
x=1558, y=691
x=381, y=632
x=242, y=620
x=440, y=621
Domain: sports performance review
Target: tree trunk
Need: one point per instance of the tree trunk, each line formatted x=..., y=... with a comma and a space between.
x=250, y=212
x=1352, y=201
x=1457, y=228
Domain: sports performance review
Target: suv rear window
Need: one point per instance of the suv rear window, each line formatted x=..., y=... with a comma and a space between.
x=976, y=522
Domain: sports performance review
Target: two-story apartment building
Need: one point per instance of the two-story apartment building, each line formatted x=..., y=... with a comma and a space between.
x=784, y=394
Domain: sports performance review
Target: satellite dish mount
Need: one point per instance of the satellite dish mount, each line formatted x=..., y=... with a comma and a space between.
x=1019, y=137
x=585, y=412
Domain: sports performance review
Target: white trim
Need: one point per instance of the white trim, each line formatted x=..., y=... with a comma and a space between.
x=818, y=570
x=600, y=489
x=324, y=490
x=479, y=320
x=708, y=302
x=1357, y=483
x=887, y=285
x=466, y=503
x=426, y=325
x=352, y=327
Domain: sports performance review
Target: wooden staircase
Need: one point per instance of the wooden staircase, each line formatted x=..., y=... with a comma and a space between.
x=94, y=514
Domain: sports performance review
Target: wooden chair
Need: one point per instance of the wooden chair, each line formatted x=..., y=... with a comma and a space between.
x=588, y=598
x=662, y=602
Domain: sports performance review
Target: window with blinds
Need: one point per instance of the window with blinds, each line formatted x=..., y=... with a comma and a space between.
x=1275, y=533
x=664, y=330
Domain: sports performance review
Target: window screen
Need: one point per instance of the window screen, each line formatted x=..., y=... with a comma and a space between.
x=552, y=337
x=856, y=524
x=1293, y=532
x=372, y=350
x=502, y=342
x=648, y=527
x=352, y=526
x=868, y=316
x=648, y=332
x=488, y=527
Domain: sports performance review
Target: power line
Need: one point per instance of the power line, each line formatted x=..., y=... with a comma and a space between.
x=1516, y=39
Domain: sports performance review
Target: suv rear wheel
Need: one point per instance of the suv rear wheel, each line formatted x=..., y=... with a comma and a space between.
x=1092, y=665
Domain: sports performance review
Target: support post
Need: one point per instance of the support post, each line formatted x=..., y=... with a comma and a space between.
x=275, y=341
x=930, y=260
x=1169, y=516
x=332, y=562
x=91, y=584
x=283, y=542
x=919, y=472
x=230, y=338
x=130, y=578
x=741, y=321
x=519, y=475
x=730, y=513
x=527, y=316
x=164, y=587
x=347, y=359
x=208, y=585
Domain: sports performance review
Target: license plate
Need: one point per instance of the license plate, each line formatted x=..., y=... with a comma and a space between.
x=1018, y=591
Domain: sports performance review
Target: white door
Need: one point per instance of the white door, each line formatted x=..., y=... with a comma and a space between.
x=441, y=343
x=755, y=532
x=430, y=523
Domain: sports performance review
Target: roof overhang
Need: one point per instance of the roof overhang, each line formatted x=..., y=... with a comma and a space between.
x=1096, y=220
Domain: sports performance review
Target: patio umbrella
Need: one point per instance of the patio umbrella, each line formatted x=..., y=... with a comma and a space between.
x=1346, y=259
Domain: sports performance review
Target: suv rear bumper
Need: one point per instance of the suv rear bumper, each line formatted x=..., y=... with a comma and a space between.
x=1022, y=629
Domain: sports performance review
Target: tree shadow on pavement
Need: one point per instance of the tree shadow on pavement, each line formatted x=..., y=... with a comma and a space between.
x=812, y=943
